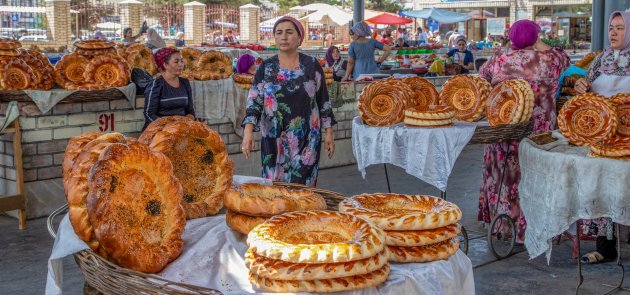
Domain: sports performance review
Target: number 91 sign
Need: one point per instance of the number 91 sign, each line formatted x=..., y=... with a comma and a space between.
x=106, y=122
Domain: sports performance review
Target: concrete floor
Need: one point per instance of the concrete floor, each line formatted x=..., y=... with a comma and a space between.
x=24, y=254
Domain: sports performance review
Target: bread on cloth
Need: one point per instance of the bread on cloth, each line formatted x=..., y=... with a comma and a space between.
x=267, y=200
x=200, y=161
x=316, y=237
x=402, y=212
x=135, y=207
x=414, y=238
x=587, y=119
x=467, y=95
x=242, y=223
x=428, y=253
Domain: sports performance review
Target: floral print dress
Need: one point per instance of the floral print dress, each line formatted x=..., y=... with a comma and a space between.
x=499, y=187
x=290, y=108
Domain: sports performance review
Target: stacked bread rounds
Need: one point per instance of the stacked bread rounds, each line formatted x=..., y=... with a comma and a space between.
x=139, y=56
x=200, y=161
x=124, y=201
x=22, y=69
x=316, y=251
x=328, y=74
x=430, y=116
x=252, y=204
x=243, y=81
x=510, y=102
x=419, y=228
x=587, y=119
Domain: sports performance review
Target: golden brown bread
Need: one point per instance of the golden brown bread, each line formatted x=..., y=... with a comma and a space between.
x=416, y=238
x=213, y=65
x=371, y=279
x=9, y=44
x=73, y=149
x=383, y=103
x=621, y=101
x=466, y=94
x=587, y=118
x=94, y=44
x=281, y=270
x=266, y=200
x=425, y=93
x=70, y=69
x=135, y=207
x=316, y=237
x=190, y=56
x=618, y=146
x=433, y=252
x=158, y=125
x=510, y=102
x=242, y=223
x=16, y=74
x=41, y=67
x=200, y=162
x=402, y=212
x=108, y=70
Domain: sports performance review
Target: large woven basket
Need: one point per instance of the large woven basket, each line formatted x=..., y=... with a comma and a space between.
x=501, y=133
x=332, y=198
x=78, y=96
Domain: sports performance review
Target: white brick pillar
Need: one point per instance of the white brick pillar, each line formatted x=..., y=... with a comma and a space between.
x=249, y=20
x=130, y=15
x=194, y=22
x=58, y=21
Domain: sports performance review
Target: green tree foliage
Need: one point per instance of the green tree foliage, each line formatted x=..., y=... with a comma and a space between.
x=384, y=5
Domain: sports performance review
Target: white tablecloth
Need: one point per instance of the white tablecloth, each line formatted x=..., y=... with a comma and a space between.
x=560, y=184
x=216, y=99
x=213, y=258
x=426, y=153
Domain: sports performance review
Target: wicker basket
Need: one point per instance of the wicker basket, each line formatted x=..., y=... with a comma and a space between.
x=78, y=96
x=332, y=198
x=543, y=138
x=501, y=133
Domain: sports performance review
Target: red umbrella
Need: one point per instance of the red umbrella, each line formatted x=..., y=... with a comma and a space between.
x=388, y=19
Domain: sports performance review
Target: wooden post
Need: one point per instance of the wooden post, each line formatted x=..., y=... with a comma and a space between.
x=17, y=201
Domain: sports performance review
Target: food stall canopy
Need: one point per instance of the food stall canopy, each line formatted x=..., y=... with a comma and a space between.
x=333, y=15
x=442, y=16
x=388, y=19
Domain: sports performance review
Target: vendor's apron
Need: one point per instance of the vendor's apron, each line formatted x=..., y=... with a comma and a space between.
x=609, y=85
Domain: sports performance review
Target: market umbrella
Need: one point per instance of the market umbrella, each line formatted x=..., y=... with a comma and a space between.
x=439, y=15
x=388, y=19
x=332, y=15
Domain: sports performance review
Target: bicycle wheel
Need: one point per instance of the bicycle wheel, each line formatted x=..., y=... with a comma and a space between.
x=501, y=236
x=463, y=240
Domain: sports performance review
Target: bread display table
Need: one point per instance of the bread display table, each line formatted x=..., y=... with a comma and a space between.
x=560, y=185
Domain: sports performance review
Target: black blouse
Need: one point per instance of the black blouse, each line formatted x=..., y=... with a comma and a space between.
x=161, y=99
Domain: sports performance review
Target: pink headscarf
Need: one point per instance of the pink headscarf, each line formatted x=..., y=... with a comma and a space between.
x=608, y=62
x=161, y=56
x=523, y=33
x=295, y=22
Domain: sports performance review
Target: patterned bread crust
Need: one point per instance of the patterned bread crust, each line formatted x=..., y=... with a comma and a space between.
x=281, y=270
x=266, y=200
x=135, y=207
x=243, y=78
x=621, y=101
x=434, y=252
x=201, y=163
x=73, y=149
x=15, y=74
x=371, y=279
x=425, y=93
x=466, y=94
x=422, y=237
x=594, y=155
x=587, y=118
x=427, y=123
x=316, y=237
x=242, y=223
x=382, y=104
x=85, y=86
x=108, y=70
x=431, y=112
x=213, y=65
x=402, y=212
x=510, y=102
x=618, y=146
x=141, y=57
x=9, y=44
x=585, y=62
x=70, y=69
x=77, y=186
x=157, y=126
x=190, y=56
x=94, y=44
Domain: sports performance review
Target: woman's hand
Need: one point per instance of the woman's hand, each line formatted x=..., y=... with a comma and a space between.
x=329, y=141
x=582, y=86
x=248, y=140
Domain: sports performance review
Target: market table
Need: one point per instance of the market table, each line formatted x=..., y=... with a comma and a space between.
x=560, y=184
x=213, y=258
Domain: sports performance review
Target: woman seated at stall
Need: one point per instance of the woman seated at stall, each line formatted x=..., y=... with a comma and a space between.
x=334, y=61
x=607, y=75
x=246, y=64
x=169, y=94
x=400, y=43
x=462, y=56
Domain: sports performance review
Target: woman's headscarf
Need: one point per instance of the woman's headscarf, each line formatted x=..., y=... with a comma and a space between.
x=362, y=29
x=523, y=34
x=329, y=55
x=295, y=22
x=244, y=63
x=609, y=63
x=154, y=38
x=161, y=56
x=460, y=38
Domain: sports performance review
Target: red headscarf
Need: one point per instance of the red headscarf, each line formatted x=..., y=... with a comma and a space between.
x=295, y=22
x=161, y=56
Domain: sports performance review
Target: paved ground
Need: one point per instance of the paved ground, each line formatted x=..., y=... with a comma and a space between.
x=24, y=254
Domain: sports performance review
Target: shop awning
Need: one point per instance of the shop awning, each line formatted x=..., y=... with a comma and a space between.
x=330, y=16
x=388, y=19
x=439, y=15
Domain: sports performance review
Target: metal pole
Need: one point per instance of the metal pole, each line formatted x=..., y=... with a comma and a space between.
x=359, y=6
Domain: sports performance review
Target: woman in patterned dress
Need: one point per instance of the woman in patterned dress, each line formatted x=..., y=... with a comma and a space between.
x=288, y=103
x=540, y=65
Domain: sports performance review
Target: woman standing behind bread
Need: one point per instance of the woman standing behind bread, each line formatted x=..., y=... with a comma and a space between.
x=169, y=94
x=289, y=104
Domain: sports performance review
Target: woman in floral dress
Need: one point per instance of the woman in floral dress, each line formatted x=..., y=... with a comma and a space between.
x=541, y=66
x=288, y=103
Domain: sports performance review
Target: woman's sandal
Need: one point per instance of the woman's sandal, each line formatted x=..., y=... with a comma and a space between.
x=594, y=257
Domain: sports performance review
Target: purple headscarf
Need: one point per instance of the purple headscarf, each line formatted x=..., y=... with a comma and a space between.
x=329, y=55
x=244, y=63
x=295, y=22
x=523, y=34
x=608, y=62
